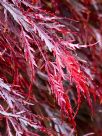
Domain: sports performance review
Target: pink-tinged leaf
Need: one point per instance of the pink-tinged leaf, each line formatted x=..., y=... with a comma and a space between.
x=57, y=89
x=44, y=37
x=28, y=52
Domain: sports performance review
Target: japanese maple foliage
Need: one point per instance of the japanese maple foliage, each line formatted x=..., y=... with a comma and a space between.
x=50, y=62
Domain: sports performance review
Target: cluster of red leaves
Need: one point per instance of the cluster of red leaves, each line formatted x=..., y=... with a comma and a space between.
x=46, y=48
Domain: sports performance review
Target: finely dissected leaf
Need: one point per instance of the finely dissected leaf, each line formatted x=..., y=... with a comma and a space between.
x=50, y=62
